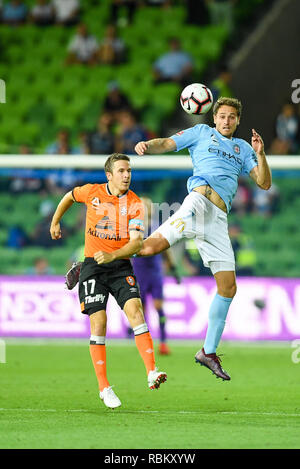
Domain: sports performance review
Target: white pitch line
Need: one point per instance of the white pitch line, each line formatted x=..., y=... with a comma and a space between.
x=180, y=412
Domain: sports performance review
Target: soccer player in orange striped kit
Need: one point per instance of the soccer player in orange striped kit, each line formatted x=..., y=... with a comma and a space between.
x=113, y=233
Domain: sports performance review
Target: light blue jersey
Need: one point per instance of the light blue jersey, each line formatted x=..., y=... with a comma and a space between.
x=217, y=160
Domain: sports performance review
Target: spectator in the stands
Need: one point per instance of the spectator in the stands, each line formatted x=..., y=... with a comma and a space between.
x=17, y=237
x=40, y=267
x=129, y=133
x=112, y=49
x=176, y=65
x=220, y=86
x=42, y=13
x=62, y=145
x=66, y=12
x=115, y=100
x=288, y=128
x=83, y=47
x=279, y=147
x=14, y=13
x=117, y=8
x=102, y=141
x=83, y=143
x=265, y=203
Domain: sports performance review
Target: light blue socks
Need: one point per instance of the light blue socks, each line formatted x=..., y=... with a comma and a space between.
x=216, y=322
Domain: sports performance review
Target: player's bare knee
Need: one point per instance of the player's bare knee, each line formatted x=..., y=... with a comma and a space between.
x=227, y=291
x=134, y=312
x=135, y=318
x=98, y=323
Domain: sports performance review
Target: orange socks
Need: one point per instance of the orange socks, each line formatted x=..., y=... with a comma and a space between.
x=144, y=345
x=98, y=355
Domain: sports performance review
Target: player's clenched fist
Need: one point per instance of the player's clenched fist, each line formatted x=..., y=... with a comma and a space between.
x=102, y=257
x=55, y=231
x=141, y=148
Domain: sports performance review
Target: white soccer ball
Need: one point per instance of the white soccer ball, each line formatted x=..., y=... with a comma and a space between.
x=196, y=99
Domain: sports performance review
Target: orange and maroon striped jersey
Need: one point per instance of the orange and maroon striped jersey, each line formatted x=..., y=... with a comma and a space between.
x=109, y=218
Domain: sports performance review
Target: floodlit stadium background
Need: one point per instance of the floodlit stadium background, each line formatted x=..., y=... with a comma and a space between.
x=41, y=94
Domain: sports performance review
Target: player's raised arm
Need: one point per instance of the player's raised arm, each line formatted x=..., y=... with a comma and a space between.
x=62, y=207
x=261, y=173
x=155, y=146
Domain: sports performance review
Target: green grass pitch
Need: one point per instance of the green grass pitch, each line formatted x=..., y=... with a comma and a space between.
x=49, y=399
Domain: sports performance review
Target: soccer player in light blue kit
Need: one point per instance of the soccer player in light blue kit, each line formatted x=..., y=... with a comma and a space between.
x=218, y=161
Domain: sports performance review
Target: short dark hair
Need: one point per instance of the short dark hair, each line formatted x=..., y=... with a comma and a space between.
x=233, y=102
x=109, y=163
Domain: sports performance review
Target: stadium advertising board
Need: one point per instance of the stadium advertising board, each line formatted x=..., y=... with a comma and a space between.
x=263, y=309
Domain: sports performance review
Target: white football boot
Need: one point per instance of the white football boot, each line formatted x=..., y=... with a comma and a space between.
x=156, y=378
x=109, y=398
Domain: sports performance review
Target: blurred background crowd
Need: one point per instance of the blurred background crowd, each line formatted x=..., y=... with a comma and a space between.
x=91, y=78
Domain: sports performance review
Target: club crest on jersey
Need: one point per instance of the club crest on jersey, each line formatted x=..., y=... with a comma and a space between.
x=236, y=149
x=123, y=211
x=130, y=280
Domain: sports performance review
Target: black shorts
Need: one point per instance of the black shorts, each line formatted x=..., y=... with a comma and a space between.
x=97, y=281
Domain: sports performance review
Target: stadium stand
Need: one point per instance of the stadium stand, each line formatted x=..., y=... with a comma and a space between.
x=276, y=238
x=58, y=95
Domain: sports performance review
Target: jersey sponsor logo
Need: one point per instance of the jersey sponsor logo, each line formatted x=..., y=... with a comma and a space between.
x=234, y=158
x=98, y=234
x=130, y=280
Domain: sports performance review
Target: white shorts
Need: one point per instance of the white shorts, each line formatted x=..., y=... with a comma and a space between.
x=201, y=220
